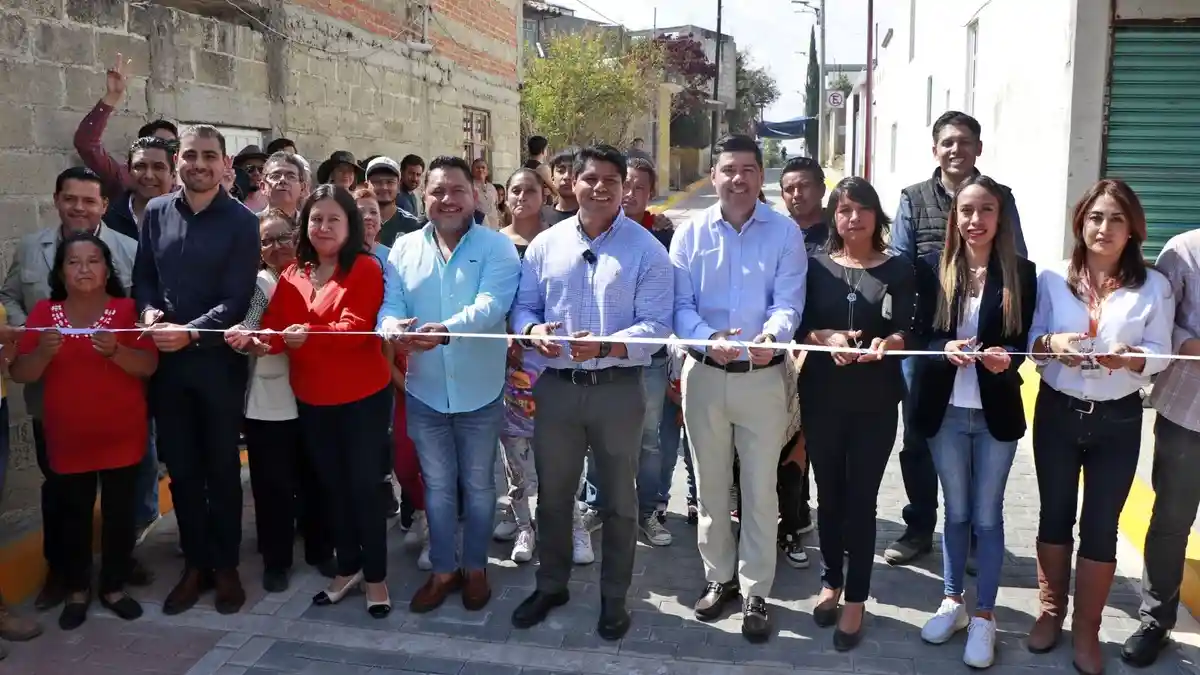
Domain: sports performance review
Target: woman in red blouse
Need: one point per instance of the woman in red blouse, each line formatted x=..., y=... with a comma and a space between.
x=100, y=439
x=323, y=313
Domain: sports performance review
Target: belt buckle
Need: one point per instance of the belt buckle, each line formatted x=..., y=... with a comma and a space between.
x=588, y=379
x=1091, y=407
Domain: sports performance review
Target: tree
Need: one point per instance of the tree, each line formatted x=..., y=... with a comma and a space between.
x=812, y=97
x=772, y=153
x=685, y=62
x=756, y=90
x=590, y=88
x=842, y=83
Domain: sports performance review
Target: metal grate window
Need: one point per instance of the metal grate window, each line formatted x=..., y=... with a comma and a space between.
x=477, y=135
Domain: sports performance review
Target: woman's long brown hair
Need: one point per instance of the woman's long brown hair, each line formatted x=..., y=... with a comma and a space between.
x=1131, y=268
x=954, y=272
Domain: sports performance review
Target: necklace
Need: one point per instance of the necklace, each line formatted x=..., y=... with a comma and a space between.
x=852, y=296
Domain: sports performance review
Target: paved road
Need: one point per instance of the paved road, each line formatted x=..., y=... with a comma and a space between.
x=284, y=633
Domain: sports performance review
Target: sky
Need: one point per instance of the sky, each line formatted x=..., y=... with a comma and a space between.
x=772, y=31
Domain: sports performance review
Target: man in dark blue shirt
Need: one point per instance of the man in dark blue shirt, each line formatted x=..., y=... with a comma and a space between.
x=195, y=271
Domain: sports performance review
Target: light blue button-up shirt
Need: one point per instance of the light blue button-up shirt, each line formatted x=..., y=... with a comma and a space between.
x=626, y=292
x=469, y=293
x=753, y=280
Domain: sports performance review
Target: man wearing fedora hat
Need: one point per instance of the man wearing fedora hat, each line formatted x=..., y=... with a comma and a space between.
x=340, y=169
x=250, y=161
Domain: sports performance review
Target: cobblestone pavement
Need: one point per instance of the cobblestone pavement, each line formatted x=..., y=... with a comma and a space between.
x=284, y=633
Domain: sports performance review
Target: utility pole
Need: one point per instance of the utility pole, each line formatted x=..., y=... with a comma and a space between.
x=716, y=91
x=824, y=134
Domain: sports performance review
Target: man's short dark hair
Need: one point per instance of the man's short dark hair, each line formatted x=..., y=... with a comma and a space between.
x=415, y=160
x=152, y=143
x=564, y=158
x=279, y=144
x=204, y=131
x=600, y=153
x=80, y=173
x=639, y=139
x=445, y=162
x=644, y=165
x=740, y=143
x=956, y=119
x=158, y=125
x=803, y=165
x=536, y=145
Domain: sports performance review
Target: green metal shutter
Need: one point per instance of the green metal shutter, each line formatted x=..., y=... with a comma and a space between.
x=1153, y=140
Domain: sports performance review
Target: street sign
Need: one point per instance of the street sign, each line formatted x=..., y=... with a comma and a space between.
x=835, y=99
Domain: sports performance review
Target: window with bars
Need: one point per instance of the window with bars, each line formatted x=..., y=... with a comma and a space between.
x=477, y=135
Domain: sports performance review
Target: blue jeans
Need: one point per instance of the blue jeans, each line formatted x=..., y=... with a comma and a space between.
x=973, y=468
x=457, y=450
x=670, y=433
x=146, y=511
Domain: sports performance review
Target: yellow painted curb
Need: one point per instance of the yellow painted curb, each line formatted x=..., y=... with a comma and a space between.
x=676, y=197
x=22, y=567
x=1135, y=516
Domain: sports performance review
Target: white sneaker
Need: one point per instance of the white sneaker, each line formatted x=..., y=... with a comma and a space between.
x=591, y=520
x=656, y=533
x=418, y=534
x=950, y=618
x=523, y=548
x=506, y=529
x=423, y=562
x=582, y=545
x=981, y=643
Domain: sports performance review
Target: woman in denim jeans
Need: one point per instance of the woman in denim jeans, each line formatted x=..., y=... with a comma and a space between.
x=968, y=403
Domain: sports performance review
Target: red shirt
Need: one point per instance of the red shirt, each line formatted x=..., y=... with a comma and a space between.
x=332, y=368
x=648, y=220
x=94, y=412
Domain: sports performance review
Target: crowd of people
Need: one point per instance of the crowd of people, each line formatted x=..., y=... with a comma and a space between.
x=396, y=324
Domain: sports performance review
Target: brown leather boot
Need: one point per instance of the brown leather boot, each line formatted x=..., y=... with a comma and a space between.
x=230, y=594
x=1092, y=583
x=433, y=592
x=186, y=593
x=15, y=628
x=476, y=592
x=1054, y=583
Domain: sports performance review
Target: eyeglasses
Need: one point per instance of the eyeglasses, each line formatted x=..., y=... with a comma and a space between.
x=282, y=177
x=252, y=168
x=285, y=239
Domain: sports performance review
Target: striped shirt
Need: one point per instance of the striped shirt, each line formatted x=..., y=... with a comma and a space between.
x=619, y=284
x=1176, y=394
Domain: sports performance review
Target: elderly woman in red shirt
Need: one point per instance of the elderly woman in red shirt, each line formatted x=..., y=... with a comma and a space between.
x=75, y=349
x=323, y=316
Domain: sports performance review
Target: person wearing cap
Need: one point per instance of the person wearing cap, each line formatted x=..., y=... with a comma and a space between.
x=281, y=145
x=89, y=135
x=251, y=160
x=340, y=169
x=383, y=173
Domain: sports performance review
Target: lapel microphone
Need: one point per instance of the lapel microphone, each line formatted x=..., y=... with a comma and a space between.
x=589, y=257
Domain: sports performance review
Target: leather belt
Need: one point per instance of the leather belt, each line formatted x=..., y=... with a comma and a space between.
x=591, y=378
x=733, y=366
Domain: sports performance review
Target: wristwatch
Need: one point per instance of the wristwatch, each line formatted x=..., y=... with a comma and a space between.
x=605, y=350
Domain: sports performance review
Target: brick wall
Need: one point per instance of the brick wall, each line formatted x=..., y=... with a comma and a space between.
x=332, y=74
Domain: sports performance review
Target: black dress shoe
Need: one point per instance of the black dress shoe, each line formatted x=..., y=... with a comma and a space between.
x=124, y=607
x=614, y=619
x=275, y=580
x=756, y=623
x=1143, y=647
x=536, y=607
x=716, y=595
x=73, y=614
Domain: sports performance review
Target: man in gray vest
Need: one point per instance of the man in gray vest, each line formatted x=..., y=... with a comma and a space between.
x=920, y=228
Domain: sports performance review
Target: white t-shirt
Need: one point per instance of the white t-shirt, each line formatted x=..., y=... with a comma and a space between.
x=966, y=380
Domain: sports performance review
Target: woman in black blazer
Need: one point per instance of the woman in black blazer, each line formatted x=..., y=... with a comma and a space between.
x=977, y=300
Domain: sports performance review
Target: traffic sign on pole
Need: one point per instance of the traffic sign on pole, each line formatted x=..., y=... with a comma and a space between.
x=835, y=99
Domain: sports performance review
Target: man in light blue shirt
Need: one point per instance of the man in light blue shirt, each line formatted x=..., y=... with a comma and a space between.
x=594, y=274
x=740, y=270
x=454, y=277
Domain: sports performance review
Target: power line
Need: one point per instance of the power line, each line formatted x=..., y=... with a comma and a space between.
x=593, y=10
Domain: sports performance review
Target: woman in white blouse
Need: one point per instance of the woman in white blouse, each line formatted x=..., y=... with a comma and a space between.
x=1097, y=317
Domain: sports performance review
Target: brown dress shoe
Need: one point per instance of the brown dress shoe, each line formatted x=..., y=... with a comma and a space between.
x=186, y=593
x=433, y=593
x=476, y=592
x=16, y=628
x=230, y=594
x=52, y=594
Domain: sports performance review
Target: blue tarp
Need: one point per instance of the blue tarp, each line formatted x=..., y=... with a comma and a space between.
x=789, y=129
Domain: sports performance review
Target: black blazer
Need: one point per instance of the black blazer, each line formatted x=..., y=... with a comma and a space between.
x=934, y=381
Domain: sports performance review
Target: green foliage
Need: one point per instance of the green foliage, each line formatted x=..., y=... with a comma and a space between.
x=812, y=95
x=842, y=83
x=590, y=88
x=756, y=90
x=773, y=153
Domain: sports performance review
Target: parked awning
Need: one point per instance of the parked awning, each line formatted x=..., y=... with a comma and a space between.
x=793, y=128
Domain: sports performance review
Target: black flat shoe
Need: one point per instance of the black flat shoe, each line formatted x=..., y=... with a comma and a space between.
x=73, y=615
x=614, y=620
x=275, y=581
x=844, y=642
x=536, y=608
x=1143, y=647
x=825, y=614
x=756, y=623
x=125, y=607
